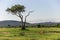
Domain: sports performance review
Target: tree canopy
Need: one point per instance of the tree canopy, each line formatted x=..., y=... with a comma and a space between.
x=16, y=8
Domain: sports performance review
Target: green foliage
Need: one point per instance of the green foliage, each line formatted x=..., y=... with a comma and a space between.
x=16, y=8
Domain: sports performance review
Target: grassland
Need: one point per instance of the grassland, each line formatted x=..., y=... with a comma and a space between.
x=30, y=34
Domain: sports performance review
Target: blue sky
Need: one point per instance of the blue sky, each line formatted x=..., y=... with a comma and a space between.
x=44, y=10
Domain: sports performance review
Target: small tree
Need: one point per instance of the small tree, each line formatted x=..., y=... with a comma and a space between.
x=38, y=25
x=9, y=25
x=17, y=10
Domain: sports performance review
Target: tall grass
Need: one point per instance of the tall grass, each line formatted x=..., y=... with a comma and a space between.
x=30, y=34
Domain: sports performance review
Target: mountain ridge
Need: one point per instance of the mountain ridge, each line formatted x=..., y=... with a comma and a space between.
x=18, y=23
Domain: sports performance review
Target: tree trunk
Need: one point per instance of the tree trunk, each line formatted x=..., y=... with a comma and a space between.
x=25, y=22
x=23, y=27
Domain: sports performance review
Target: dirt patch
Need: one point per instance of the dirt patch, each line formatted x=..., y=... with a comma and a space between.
x=53, y=32
x=44, y=32
x=5, y=32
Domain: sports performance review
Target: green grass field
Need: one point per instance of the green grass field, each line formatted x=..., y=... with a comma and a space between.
x=30, y=34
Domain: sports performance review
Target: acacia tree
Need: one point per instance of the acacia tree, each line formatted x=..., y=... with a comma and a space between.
x=17, y=10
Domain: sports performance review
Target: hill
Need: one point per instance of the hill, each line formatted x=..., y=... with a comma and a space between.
x=11, y=23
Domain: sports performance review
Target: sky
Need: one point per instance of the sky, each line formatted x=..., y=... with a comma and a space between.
x=43, y=10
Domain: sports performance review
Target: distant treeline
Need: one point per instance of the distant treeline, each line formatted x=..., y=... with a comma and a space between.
x=48, y=25
x=34, y=26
